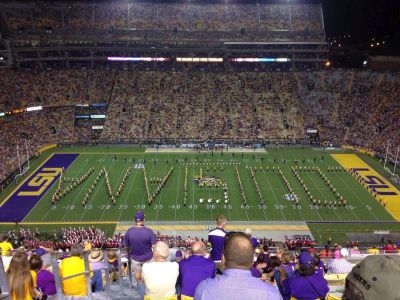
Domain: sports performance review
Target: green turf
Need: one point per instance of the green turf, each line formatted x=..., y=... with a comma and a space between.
x=169, y=204
x=338, y=232
x=109, y=229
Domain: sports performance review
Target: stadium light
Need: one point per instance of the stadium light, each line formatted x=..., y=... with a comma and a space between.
x=327, y=64
x=365, y=63
x=118, y=58
x=34, y=108
x=200, y=59
x=264, y=59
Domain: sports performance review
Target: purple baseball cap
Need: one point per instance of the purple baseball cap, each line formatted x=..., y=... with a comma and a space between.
x=306, y=259
x=178, y=254
x=139, y=216
x=40, y=251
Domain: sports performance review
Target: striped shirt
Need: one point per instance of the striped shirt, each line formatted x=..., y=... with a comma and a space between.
x=340, y=266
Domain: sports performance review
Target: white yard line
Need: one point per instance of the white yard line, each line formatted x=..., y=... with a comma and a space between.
x=116, y=186
x=161, y=191
x=273, y=192
x=356, y=196
x=81, y=188
x=316, y=210
x=177, y=190
x=129, y=191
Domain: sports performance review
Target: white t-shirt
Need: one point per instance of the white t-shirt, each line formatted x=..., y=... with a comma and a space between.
x=160, y=278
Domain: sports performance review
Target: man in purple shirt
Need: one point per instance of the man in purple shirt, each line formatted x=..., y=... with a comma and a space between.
x=139, y=240
x=195, y=269
x=236, y=283
x=217, y=237
x=306, y=283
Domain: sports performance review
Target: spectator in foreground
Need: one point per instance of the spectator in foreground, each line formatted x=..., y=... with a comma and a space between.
x=236, y=283
x=44, y=278
x=96, y=261
x=5, y=245
x=139, y=240
x=375, y=277
x=340, y=265
x=216, y=237
x=194, y=270
x=160, y=275
x=72, y=265
x=306, y=283
x=21, y=280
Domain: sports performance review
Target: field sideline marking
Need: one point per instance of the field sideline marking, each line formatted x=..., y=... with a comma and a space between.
x=23, y=181
x=59, y=223
x=103, y=153
x=228, y=227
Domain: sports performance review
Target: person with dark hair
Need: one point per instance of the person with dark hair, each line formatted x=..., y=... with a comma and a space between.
x=5, y=245
x=44, y=278
x=236, y=282
x=319, y=265
x=306, y=284
x=326, y=252
x=140, y=241
x=265, y=252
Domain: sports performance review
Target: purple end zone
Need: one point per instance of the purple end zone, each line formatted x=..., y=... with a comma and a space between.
x=20, y=203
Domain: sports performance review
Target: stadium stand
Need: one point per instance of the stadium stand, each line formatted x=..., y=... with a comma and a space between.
x=58, y=59
x=156, y=105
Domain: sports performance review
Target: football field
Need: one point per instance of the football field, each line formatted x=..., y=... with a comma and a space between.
x=107, y=185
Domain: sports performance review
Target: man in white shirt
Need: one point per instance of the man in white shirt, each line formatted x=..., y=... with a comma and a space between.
x=160, y=275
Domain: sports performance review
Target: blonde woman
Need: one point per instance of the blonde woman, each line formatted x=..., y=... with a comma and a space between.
x=21, y=279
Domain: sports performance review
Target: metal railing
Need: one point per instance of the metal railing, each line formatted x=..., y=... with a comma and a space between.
x=5, y=290
x=87, y=272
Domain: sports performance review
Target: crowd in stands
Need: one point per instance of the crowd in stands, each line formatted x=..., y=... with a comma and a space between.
x=341, y=104
x=252, y=20
x=164, y=266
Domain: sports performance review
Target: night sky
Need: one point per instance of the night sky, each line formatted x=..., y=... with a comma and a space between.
x=363, y=19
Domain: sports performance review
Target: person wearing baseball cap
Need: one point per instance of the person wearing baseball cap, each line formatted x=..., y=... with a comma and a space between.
x=306, y=283
x=375, y=277
x=139, y=240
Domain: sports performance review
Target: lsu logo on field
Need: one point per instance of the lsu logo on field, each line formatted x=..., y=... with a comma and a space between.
x=384, y=191
x=41, y=181
x=376, y=183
